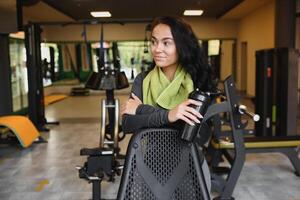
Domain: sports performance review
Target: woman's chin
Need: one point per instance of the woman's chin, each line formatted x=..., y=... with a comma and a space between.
x=160, y=64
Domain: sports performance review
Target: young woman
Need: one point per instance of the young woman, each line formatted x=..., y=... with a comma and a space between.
x=161, y=97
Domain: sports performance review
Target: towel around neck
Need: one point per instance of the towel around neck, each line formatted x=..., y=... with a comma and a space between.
x=159, y=91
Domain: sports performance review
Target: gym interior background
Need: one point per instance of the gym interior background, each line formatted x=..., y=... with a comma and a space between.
x=240, y=37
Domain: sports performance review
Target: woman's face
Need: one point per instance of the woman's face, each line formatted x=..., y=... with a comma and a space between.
x=163, y=46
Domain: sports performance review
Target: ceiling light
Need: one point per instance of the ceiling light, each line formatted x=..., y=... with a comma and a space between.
x=193, y=12
x=101, y=14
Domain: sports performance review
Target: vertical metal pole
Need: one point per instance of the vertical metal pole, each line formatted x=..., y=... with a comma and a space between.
x=36, y=109
x=101, y=63
x=116, y=128
x=103, y=124
x=6, y=105
x=96, y=190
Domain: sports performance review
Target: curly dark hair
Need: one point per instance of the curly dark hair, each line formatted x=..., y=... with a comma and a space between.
x=190, y=54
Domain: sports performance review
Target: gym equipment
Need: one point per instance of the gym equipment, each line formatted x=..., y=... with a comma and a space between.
x=48, y=68
x=52, y=64
x=132, y=62
x=101, y=164
x=6, y=103
x=88, y=53
x=102, y=161
x=108, y=80
x=276, y=82
x=232, y=107
x=74, y=67
x=233, y=146
x=146, y=40
x=36, y=107
x=80, y=91
x=22, y=128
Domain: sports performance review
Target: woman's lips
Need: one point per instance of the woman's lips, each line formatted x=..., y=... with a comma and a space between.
x=159, y=57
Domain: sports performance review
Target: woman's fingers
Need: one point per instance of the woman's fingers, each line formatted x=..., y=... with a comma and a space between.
x=131, y=105
x=186, y=112
x=187, y=120
x=194, y=112
x=194, y=102
x=191, y=116
x=190, y=113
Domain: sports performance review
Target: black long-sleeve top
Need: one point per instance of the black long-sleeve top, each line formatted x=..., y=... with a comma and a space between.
x=146, y=116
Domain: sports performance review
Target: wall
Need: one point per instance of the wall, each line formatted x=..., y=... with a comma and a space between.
x=204, y=28
x=257, y=29
x=226, y=59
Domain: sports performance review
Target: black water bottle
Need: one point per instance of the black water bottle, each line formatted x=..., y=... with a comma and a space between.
x=189, y=131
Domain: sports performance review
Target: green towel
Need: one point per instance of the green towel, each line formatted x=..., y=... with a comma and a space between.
x=159, y=91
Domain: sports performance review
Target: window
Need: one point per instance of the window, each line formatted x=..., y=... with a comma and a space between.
x=19, y=79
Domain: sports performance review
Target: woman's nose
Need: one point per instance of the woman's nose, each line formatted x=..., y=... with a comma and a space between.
x=159, y=47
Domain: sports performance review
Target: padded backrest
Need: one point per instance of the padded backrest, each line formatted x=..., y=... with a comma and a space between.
x=159, y=165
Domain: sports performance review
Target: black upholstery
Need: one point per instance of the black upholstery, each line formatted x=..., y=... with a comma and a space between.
x=107, y=80
x=160, y=166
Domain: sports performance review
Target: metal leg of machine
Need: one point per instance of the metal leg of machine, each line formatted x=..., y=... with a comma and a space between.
x=104, y=108
x=100, y=165
x=101, y=162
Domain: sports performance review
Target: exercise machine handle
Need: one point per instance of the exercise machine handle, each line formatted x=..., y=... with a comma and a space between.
x=243, y=110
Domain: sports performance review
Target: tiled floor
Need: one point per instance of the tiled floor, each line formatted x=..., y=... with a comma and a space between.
x=47, y=170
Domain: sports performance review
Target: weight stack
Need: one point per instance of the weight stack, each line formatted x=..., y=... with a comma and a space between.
x=276, y=92
x=264, y=91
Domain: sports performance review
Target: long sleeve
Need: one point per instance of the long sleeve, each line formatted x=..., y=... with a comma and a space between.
x=146, y=116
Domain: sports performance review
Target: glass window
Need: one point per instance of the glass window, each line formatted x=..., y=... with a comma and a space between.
x=46, y=65
x=19, y=80
x=134, y=56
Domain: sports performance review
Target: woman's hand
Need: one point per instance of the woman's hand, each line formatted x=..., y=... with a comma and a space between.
x=185, y=112
x=131, y=105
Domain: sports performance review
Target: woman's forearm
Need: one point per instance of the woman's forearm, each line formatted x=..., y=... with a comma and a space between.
x=132, y=123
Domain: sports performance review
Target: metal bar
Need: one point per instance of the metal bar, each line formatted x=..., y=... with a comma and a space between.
x=116, y=128
x=96, y=190
x=102, y=125
x=6, y=104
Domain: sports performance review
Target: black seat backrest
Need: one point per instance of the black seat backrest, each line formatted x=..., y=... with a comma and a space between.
x=159, y=165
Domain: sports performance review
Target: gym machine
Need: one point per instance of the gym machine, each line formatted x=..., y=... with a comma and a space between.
x=276, y=85
x=232, y=107
x=102, y=161
x=36, y=107
x=233, y=145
